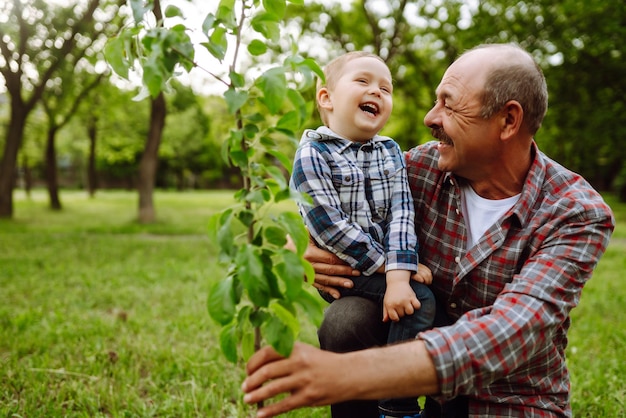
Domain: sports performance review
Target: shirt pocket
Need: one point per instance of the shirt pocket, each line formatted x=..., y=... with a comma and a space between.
x=382, y=176
x=349, y=180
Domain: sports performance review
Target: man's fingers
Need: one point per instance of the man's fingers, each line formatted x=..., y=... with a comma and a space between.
x=264, y=356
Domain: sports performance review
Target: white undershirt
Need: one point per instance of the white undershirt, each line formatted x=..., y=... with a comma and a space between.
x=480, y=213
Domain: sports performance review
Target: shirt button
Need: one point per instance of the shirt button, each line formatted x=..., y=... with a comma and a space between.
x=457, y=260
x=386, y=172
x=458, y=212
x=347, y=178
x=453, y=305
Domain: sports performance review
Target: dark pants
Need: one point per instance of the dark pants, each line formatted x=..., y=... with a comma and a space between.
x=354, y=323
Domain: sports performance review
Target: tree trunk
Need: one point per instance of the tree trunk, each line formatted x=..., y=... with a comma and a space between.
x=8, y=164
x=28, y=176
x=52, y=177
x=92, y=177
x=150, y=159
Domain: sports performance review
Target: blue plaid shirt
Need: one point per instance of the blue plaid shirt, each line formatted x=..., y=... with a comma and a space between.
x=362, y=206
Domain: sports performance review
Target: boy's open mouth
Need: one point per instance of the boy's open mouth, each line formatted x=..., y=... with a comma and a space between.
x=370, y=108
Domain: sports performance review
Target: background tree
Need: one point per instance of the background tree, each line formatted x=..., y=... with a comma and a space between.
x=579, y=45
x=185, y=152
x=36, y=39
x=60, y=103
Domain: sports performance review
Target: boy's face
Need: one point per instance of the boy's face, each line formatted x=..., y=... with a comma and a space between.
x=359, y=104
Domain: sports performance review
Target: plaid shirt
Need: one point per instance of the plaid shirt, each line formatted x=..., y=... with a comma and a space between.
x=511, y=294
x=362, y=209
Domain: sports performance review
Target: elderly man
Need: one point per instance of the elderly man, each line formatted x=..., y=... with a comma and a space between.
x=511, y=238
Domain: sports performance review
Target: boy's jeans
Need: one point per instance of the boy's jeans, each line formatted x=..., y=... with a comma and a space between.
x=373, y=288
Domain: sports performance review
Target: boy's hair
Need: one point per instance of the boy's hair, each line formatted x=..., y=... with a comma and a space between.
x=333, y=70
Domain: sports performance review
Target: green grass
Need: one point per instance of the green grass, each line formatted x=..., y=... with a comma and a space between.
x=102, y=316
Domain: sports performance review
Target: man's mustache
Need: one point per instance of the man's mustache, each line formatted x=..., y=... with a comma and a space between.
x=441, y=135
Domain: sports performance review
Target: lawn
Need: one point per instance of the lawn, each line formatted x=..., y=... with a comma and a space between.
x=101, y=316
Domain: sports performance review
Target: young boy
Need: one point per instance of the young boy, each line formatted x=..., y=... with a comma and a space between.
x=362, y=207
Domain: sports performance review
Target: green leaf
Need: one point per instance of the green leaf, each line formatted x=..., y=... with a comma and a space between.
x=250, y=272
x=257, y=48
x=153, y=76
x=226, y=13
x=218, y=43
x=116, y=55
x=208, y=23
x=275, y=235
x=275, y=7
x=314, y=66
x=294, y=225
x=277, y=174
x=267, y=25
x=290, y=121
x=291, y=271
x=222, y=301
x=247, y=345
x=173, y=11
x=228, y=342
x=280, y=156
x=268, y=272
x=273, y=84
x=220, y=230
x=313, y=307
x=139, y=10
x=235, y=99
x=257, y=317
x=300, y=104
x=280, y=329
x=246, y=217
x=236, y=79
x=250, y=130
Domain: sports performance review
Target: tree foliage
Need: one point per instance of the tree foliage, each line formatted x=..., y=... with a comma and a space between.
x=263, y=287
x=37, y=39
x=579, y=45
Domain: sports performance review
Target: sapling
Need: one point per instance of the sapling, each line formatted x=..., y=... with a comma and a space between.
x=259, y=298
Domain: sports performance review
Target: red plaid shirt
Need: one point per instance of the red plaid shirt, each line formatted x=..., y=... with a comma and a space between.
x=511, y=294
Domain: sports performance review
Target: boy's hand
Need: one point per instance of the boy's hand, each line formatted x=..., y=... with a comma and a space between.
x=399, y=300
x=423, y=274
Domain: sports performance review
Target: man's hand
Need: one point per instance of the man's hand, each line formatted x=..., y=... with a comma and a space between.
x=313, y=377
x=307, y=375
x=329, y=269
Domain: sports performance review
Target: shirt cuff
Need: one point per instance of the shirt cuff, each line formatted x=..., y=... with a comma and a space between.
x=401, y=260
x=447, y=354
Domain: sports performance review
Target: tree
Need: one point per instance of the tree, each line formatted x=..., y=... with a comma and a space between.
x=150, y=157
x=36, y=39
x=264, y=283
x=579, y=45
x=60, y=104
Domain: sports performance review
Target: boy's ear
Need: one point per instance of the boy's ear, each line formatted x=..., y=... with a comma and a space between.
x=323, y=99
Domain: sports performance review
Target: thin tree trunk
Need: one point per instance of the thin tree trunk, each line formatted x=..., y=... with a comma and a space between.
x=92, y=176
x=8, y=164
x=149, y=160
x=52, y=177
x=28, y=176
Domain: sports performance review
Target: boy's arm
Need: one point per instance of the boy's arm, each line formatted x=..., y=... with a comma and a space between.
x=400, y=240
x=399, y=300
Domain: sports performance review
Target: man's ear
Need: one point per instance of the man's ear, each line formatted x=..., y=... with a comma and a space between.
x=323, y=99
x=512, y=117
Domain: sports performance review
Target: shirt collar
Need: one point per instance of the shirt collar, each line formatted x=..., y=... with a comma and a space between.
x=324, y=133
x=532, y=185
